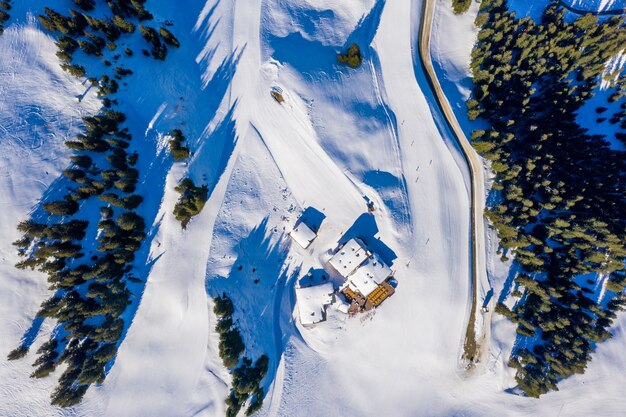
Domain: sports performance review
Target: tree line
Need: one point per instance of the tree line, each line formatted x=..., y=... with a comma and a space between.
x=561, y=190
x=89, y=267
x=5, y=6
x=247, y=376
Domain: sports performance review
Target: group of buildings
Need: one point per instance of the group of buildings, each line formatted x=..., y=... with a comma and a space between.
x=367, y=279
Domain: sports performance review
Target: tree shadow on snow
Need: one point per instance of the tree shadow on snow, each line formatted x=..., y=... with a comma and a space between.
x=509, y=282
x=256, y=283
x=365, y=228
x=214, y=152
x=217, y=87
x=306, y=56
x=392, y=190
x=211, y=159
x=205, y=28
x=312, y=56
x=31, y=333
x=365, y=30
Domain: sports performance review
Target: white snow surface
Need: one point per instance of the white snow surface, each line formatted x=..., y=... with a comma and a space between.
x=342, y=138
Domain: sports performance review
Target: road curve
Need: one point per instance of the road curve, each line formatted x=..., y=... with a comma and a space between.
x=475, y=345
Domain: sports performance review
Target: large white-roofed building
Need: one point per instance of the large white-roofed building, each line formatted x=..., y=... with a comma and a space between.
x=374, y=270
x=349, y=257
x=369, y=275
x=366, y=276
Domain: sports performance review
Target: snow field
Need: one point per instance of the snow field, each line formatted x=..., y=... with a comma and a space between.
x=340, y=137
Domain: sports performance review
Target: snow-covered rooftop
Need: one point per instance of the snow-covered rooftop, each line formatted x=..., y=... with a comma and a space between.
x=349, y=257
x=303, y=234
x=376, y=269
x=369, y=275
x=361, y=282
x=312, y=302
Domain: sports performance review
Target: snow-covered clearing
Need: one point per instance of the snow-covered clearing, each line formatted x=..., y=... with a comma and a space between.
x=342, y=137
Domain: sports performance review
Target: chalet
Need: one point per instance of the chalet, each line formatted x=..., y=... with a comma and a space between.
x=313, y=301
x=366, y=276
x=303, y=234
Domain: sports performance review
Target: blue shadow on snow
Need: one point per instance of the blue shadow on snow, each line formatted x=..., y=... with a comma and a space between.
x=365, y=228
x=312, y=217
x=256, y=283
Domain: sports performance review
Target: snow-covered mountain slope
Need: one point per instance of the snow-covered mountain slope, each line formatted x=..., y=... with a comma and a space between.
x=341, y=137
x=39, y=110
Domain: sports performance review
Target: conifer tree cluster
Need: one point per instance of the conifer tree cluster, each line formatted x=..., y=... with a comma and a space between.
x=461, y=6
x=191, y=201
x=562, y=201
x=247, y=376
x=5, y=6
x=352, y=57
x=179, y=152
x=81, y=31
x=89, y=267
x=90, y=292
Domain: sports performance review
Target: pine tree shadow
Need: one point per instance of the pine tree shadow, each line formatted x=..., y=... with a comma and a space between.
x=313, y=57
x=215, y=91
x=211, y=159
x=259, y=283
x=509, y=282
x=365, y=30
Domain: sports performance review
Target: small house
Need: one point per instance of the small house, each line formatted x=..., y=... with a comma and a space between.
x=303, y=234
x=313, y=301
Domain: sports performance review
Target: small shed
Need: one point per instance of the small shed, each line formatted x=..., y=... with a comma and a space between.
x=303, y=234
x=312, y=302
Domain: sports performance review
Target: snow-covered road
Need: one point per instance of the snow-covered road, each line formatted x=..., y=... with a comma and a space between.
x=476, y=345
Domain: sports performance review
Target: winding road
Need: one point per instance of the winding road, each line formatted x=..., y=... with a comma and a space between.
x=474, y=345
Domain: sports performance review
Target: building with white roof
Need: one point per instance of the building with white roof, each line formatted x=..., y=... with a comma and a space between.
x=366, y=276
x=303, y=234
x=360, y=282
x=369, y=275
x=312, y=302
x=349, y=257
